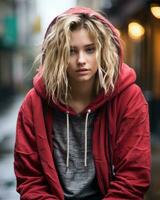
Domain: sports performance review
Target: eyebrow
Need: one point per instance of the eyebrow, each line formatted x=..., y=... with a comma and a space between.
x=87, y=45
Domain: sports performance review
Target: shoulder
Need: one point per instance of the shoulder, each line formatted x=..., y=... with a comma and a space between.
x=132, y=94
x=132, y=100
x=30, y=102
x=31, y=97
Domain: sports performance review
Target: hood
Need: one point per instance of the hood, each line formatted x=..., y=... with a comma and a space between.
x=126, y=75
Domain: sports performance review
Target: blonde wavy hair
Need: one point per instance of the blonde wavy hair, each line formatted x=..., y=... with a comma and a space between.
x=56, y=53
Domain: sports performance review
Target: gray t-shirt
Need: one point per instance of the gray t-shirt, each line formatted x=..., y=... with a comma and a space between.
x=78, y=181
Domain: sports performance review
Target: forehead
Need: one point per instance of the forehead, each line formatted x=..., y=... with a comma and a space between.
x=81, y=37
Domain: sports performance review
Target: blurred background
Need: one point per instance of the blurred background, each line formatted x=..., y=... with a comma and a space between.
x=22, y=27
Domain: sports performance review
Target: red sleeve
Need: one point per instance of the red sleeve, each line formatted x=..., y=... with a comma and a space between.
x=31, y=183
x=131, y=154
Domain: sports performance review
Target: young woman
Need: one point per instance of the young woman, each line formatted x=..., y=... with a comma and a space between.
x=83, y=130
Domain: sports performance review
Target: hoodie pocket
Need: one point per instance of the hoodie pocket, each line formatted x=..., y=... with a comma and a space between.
x=102, y=175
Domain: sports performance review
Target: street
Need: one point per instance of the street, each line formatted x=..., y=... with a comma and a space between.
x=7, y=137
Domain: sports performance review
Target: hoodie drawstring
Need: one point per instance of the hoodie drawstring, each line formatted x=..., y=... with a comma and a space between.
x=67, y=160
x=85, y=138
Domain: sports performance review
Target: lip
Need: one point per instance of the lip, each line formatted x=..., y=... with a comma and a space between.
x=82, y=70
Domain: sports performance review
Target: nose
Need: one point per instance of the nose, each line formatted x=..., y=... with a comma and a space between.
x=81, y=58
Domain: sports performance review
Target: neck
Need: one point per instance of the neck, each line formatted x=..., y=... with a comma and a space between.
x=83, y=90
x=82, y=93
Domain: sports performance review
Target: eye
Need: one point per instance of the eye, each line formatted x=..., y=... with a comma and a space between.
x=90, y=50
x=73, y=51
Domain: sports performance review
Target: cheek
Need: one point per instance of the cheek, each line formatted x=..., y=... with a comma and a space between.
x=95, y=64
x=70, y=68
x=71, y=62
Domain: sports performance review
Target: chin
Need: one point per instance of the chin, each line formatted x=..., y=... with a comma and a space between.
x=83, y=79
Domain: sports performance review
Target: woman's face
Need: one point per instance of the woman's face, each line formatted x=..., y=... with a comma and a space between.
x=82, y=62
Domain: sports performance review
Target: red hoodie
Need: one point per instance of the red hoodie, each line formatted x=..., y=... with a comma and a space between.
x=122, y=141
